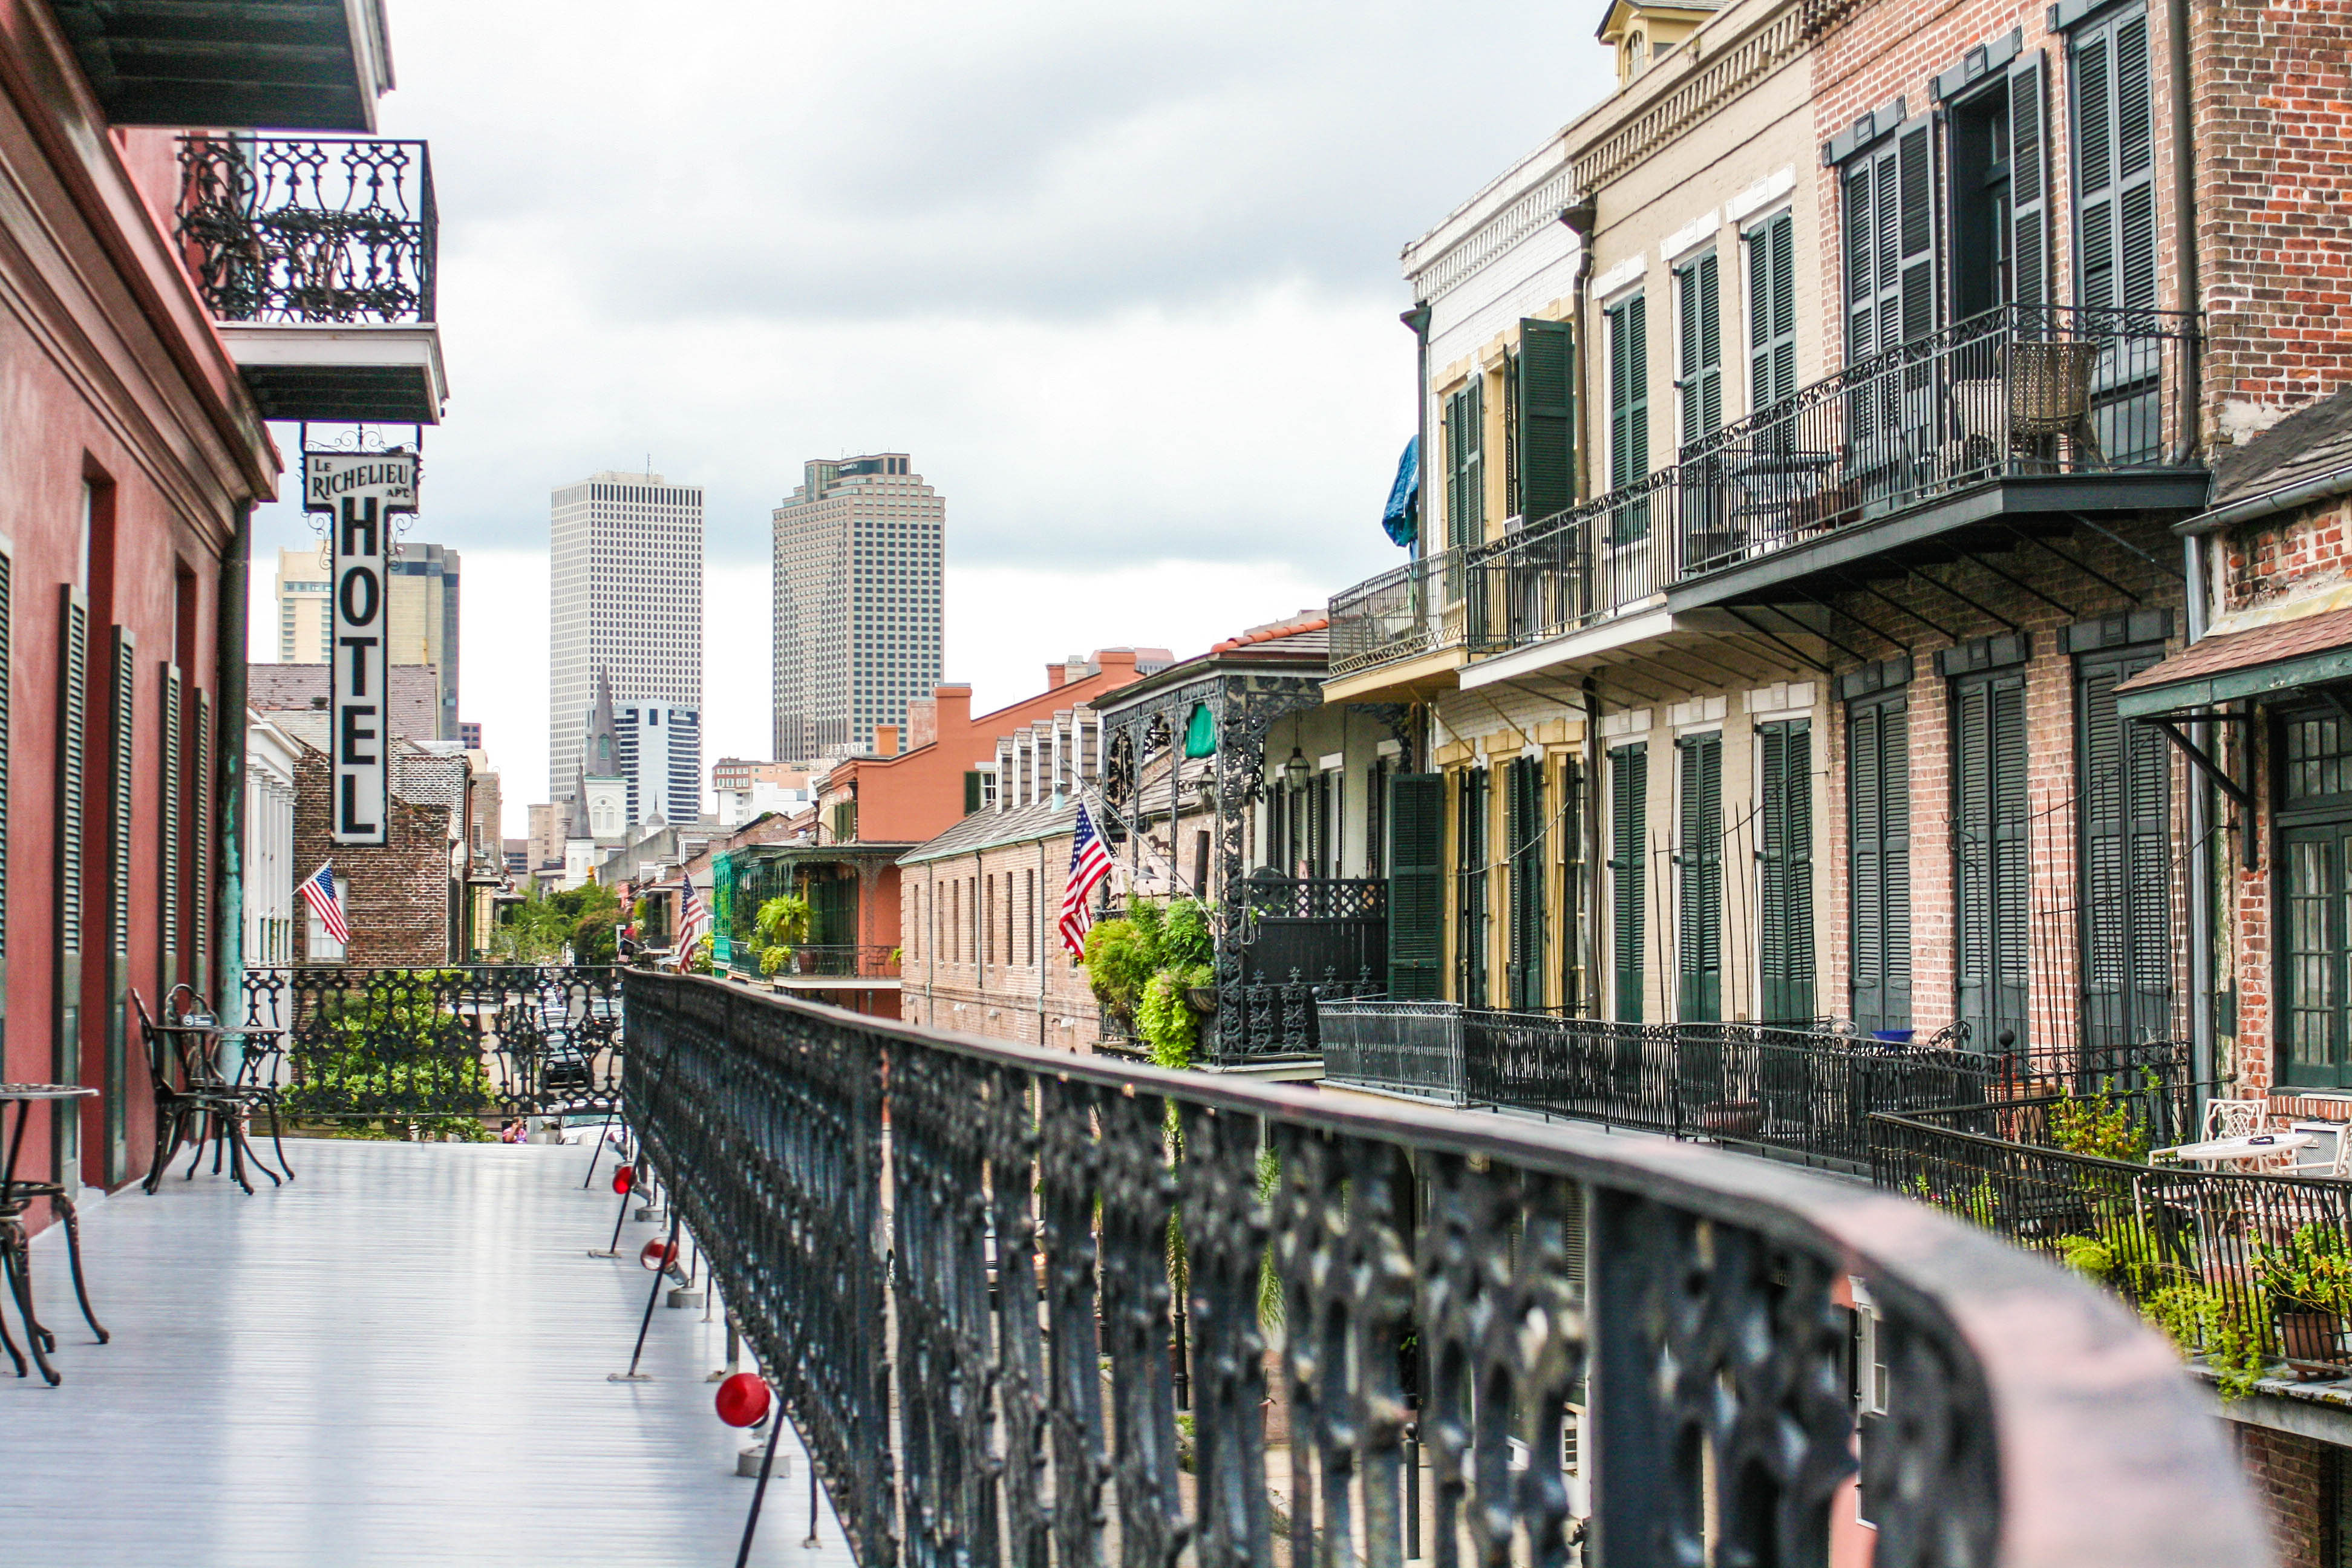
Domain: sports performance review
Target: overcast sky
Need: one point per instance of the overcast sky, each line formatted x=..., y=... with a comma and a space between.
x=1122, y=278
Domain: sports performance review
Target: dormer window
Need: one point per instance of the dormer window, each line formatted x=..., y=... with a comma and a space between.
x=1636, y=54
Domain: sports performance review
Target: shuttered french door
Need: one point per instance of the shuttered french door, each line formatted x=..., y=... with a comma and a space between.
x=1416, y=887
x=1991, y=857
x=1465, y=472
x=73, y=721
x=2029, y=179
x=1698, y=902
x=1771, y=312
x=1784, y=871
x=1698, y=367
x=1878, y=784
x=121, y=751
x=1629, y=811
x=1470, y=879
x=2127, y=876
x=1523, y=977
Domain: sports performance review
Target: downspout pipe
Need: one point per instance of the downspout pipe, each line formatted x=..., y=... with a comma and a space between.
x=1417, y=319
x=2202, y=1042
x=227, y=893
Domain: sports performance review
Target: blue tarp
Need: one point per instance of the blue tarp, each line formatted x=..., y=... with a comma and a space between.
x=1403, y=518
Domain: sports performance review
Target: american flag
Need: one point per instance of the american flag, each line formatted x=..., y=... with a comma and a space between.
x=693, y=920
x=319, y=892
x=1090, y=864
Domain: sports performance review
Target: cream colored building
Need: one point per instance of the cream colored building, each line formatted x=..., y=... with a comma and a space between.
x=420, y=621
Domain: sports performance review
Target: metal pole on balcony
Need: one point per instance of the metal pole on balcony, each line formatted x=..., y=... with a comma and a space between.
x=2201, y=1064
x=1417, y=319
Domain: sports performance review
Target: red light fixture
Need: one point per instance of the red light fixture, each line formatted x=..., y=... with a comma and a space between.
x=658, y=1254
x=624, y=1178
x=743, y=1400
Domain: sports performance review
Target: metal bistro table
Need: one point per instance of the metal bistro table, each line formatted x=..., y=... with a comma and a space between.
x=16, y=1238
x=2232, y=1151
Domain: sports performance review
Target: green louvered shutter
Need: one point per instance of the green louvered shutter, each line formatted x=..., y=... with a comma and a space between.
x=1470, y=880
x=1915, y=261
x=1990, y=856
x=1771, y=312
x=1699, y=365
x=1861, y=187
x=1878, y=751
x=1527, y=836
x=1784, y=938
x=2114, y=165
x=168, y=856
x=1569, y=828
x=73, y=735
x=7, y=699
x=2028, y=178
x=1465, y=475
x=1699, y=896
x=1629, y=811
x=200, y=830
x=1629, y=393
x=1546, y=434
x=2127, y=881
x=1416, y=886
x=122, y=796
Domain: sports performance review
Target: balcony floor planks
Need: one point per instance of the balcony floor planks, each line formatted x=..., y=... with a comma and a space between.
x=400, y=1358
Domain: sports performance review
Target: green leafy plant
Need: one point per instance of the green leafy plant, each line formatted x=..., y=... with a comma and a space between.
x=782, y=922
x=2310, y=1271
x=772, y=958
x=392, y=1053
x=1166, y=1021
x=2100, y=1126
x=1121, y=957
x=698, y=959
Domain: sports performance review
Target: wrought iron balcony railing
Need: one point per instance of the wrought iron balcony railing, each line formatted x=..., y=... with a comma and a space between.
x=2018, y=392
x=309, y=229
x=987, y=1278
x=1403, y=613
x=1805, y=1092
x=472, y=1041
x=836, y=961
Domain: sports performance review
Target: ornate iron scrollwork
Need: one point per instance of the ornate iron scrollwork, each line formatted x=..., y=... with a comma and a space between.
x=1051, y=1214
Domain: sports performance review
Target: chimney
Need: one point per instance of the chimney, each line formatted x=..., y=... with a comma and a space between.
x=954, y=709
x=923, y=722
x=885, y=740
x=1056, y=673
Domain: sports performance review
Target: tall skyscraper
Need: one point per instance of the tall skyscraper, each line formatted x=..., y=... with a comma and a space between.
x=858, y=547
x=421, y=619
x=627, y=601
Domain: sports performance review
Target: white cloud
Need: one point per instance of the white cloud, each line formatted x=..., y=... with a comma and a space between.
x=1121, y=278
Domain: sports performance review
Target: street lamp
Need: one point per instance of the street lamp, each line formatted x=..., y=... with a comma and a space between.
x=1296, y=772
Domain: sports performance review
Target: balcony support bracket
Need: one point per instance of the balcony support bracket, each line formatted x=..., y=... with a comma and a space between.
x=1862, y=585
x=2241, y=794
x=1849, y=652
x=2023, y=586
x=1985, y=610
x=1793, y=651
x=2080, y=565
x=1874, y=631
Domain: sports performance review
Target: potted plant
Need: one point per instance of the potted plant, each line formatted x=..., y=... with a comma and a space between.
x=2307, y=1279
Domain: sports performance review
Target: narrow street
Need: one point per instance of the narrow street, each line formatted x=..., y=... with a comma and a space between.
x=399, y=1358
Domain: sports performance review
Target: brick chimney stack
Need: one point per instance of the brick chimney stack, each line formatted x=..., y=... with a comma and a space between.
x=885, y=740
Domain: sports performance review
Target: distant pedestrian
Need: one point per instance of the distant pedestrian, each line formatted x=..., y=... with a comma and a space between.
x=515, y=1131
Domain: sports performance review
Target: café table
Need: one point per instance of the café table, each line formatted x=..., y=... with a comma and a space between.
x=16, y=1238
x=197, y=1040
x=2241, y=1148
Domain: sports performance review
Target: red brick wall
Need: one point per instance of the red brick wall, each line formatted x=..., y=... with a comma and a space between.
x=2291, y=1479
x=951, y=984
x=399, y=906
x=2266, y=562
x=2273, y=112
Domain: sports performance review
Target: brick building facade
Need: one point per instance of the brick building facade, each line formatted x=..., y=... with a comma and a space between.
x=983, y=956
x=404, y=898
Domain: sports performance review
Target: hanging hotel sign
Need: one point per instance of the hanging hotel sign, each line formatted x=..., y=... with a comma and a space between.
x=360, y=491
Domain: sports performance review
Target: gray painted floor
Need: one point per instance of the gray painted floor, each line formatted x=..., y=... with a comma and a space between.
x=400, y=1358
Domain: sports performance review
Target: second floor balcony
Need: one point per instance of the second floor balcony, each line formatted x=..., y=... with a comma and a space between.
x=317, y=256
x=1399, y=632
x=2024, y=421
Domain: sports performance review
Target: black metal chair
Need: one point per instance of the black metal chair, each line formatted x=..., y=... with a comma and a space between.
x=192, y=1096
x=252, y=1091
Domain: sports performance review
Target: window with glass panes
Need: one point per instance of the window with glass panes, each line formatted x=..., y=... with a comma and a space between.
x=2315, y=898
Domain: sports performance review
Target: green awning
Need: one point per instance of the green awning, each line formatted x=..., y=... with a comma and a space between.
x=2296, y=654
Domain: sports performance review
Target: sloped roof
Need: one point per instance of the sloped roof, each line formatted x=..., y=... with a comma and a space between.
x=2303, y=445
x=993, y=829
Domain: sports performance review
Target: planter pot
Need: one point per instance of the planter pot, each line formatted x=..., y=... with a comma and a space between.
x=2310, y=1336
x=1204, y=999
